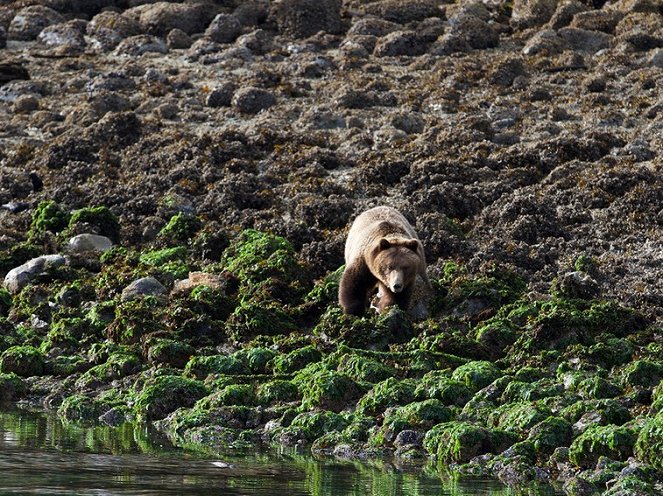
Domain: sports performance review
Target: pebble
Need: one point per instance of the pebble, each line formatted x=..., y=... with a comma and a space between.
x=145, y=286
x=225, y=28
x=251, y=100
x=221, y=96
x=178, y=39
x=19, y=277
x=89, y=242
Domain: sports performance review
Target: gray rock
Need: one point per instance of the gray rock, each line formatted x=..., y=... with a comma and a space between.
x=373, y=27
x=105, y=22
x=258, y=41
x=89, y=242
x=408, y=437
x=252, y=100
x=161, y=17
x=585, y=40
x=304, y=18
x=473, y=30
x=225, y=28
x=565, y=13
x=507, y=70
x=400, y=43
x=656, y=60
x=30, y=21
x=408, y=122
x=19, y=277
x=138, y=45
x=530, y=13
x=68, y=36
x=597, y=20
x=177, y=39
x=642, y=31
x=145, y=286
x=403, y=11
x=25, y=104
x=3, y=37
x=578, y=285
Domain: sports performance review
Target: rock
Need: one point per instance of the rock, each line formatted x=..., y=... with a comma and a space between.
x=145, y=286
x=251, y=100
x=642, y=31
x=258, y=41
x=408, y=122
x=25, y=104
x=225, y=28
x=195, y=279
x=565, y=13
x=403, y=11
x=507, y=70
x=656, y=60
x=178, y=39
x=408, y=437
x=467, y=27
x=373, y=27
x=30, y=21
x=578, y=285
x=596, y=84
x=160, y=17
x=221, y=96
x=138, y=45
x=252, y=12
x=304, y=18
x=585, y=40
x=19, y=277
x=3, y=37
x=597, y=20
x=400, y=43
x=68, y=36
x=89, y=242
x=112, y=24
x=545, y=42
x=530, y=13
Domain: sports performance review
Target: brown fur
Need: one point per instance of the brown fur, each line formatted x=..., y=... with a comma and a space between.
x=382, y=250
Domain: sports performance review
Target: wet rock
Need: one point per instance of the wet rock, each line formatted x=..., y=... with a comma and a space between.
x=252, y=100
x=304, y=18
x=585, y=40
x=409, y=437
x=113, y=417
x=68, y=36
x=89, y=242
x=30, y=21
x=145, y=286
x=138, y=45
x=530, y=13
x=400, y=43
x=221, y=96
x=161, y=17
x=403, y=11
x=225, y=28
x=19, y=277
x=178, y=39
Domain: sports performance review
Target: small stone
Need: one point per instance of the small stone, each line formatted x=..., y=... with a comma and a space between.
x=106, y=21
x=30, y=21
x=195, y=279
x=68, y=36
x=545, y=42
x=400, y=43
x=507, y=71
x=596, y=84
x=221, y=96
x=138, y=45
x=656, y=59
x=178, y=39
x=25, y=104
x=145, y=286
x=530, y=13
x=258, y=41
x=585, y=40
x=168, y=110
x=225, y=28
x=19, y=277
x=89, y=242
x=251, y=100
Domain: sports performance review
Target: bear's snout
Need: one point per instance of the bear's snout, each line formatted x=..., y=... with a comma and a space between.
x=397, y=287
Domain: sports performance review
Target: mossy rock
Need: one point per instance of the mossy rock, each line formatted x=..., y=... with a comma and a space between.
x=324, y=388
x=612, y=441
x=361, y=368
x=496, y=335
x=388, y=393
x=598, y=388
x=277, y=391
x=100, y=218
x=118, y=364
x=18, y=254
x=163, y=394
x=12, y=387
x=181, y=227
x=631, y=485
x=611, y=410
x=202, y=366
x=519, y=417
x=358, y=429
x=79, y=408
x=170, y=352
x=295, y=360
x=325, y=291
x=25, y=361
x=644, y=373
x=233, y=394
x=66, y=365
x=160, y=257
x=135, y=319
x=315, y=424
x=48, y=216
x=253, y=319
x=440, y=386
x=550, y=434
x=458, y=442
x=657, y=398
x=531, y=391
x=418, y=415
x=256, y=358
x=649, y=444
x=476, y=375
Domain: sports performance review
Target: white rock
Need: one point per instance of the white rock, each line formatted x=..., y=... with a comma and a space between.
x=19, y=277
x=145, y=286
x=89, y=242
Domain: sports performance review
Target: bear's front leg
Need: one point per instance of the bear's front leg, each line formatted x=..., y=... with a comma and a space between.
x=389, y=298
x=356, y=282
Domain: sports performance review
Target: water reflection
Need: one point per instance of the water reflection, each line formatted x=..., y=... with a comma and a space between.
x=41, y=455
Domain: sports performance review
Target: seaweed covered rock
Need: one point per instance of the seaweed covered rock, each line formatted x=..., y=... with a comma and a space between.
x=613, y=441
x=458, y=442
x=163, y=394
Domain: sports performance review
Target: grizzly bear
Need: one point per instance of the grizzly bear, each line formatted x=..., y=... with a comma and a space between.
x=383, y=251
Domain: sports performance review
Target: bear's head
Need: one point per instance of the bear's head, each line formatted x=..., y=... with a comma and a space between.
x=396, y=262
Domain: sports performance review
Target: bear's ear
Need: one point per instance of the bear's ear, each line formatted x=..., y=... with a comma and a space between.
x=384, y=244
x=412, y=244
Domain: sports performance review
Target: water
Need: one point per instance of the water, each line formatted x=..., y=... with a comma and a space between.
x=41, y=455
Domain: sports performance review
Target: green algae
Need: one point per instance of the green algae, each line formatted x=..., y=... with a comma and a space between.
x=26, y=361
x=181, y=227
x=202, y=366
x=163, y=394
x=612, y=441
x=48, y=216
x=325, y=388
x=100, y=218
x=476, y=375
x=79, y=408
x=277, y=391
x=458, y=442
x=549, y=434
x=388, y=393
x=649, y=443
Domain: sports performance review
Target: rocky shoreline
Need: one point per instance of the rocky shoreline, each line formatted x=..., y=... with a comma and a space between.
x=176, y=184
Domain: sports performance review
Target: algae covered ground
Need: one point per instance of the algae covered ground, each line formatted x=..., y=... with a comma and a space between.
x=176, y=184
